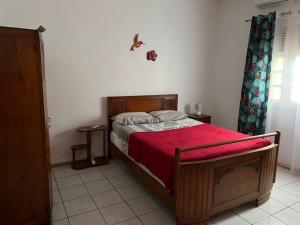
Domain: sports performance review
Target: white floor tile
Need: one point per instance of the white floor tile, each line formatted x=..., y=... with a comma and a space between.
x=56, y=197
x=134, y=221
x=293, y=189
x=122, y=181
x=79, y=205
x=70, y=193
x=280, y=182
x=114, y=172
x=228, y=218
x=143, y=205
x=88, y=170
x=107, y=198
x=58, y=212
x=54, y=185
x=66, y=171
x=270, y=221
x=287, y=175
x=289, y=216
x=117, y=213
x=99, y=186
x=297, y=182
x=280, y=168
x=284, y=197
x=272, y=206
x=123, y=166
x=145, y=188
x=158, y=201
x=89, y=218
x=131, y=192
x=90, y=177
x=159, y=217
x=61, y=222
x=68, y=181
x=107, y=166
x=250, y=213
x=296, y=207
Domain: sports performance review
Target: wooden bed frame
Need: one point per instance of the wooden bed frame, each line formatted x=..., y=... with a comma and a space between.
x=206, y=187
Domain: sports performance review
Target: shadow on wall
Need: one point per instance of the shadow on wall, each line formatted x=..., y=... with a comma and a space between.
x=103, y=110
x=187, y=108
x=60, y=143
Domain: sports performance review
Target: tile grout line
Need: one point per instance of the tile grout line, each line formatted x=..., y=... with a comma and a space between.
x=239, y=216
x=278, y=218
x=277, y=211
x=124, y=201
x=90, y=195
x=147, y=194
x=58, y=189
x=98, y=209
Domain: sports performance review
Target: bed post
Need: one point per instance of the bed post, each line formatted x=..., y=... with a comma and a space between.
x=177, y=172
x=204, y=188
x=276, y=141
x=192, y=192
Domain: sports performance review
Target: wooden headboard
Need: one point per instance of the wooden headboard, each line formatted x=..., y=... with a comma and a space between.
x=143, y=103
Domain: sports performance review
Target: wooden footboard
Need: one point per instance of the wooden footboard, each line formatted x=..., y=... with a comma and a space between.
x=207, y=187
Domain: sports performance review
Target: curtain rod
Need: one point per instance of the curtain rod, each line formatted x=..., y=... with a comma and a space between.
x=281, y=14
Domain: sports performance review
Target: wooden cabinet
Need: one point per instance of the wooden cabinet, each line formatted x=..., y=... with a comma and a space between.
x=202, y=118
x=25, y=183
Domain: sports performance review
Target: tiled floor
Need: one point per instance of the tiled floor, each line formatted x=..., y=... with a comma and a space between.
x=109, y=195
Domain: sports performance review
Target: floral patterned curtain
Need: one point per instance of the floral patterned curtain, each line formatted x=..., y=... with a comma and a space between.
x=255, y=89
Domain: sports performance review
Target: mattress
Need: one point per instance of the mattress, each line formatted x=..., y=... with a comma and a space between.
x=156, y=150
x=120, y=136
x=124, y=132
x=123, y=146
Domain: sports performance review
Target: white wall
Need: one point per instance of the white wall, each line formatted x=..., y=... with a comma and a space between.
x=87, y=55
x=230, y=55
x=231, y=48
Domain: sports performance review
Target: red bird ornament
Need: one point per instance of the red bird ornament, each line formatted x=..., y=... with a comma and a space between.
x=136, y=43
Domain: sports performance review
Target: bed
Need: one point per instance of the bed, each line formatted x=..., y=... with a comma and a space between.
x=196, y=187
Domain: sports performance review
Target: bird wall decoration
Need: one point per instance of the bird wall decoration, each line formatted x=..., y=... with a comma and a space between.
x=136, y=43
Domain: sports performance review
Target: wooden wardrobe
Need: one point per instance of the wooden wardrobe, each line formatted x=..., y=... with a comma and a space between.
x=25, y=181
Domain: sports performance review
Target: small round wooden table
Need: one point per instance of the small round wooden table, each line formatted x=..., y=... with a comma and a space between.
x=85, y=163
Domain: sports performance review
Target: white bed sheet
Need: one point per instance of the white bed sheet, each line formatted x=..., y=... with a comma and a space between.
x=125, y=131
x=123, y=146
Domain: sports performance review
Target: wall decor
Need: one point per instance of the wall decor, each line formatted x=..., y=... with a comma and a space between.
x=136, y=42
x=151, y=55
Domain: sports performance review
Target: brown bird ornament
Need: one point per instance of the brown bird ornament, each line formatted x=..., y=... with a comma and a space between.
x=136, y=43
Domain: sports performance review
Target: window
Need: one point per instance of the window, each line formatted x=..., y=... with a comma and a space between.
x=295, y=84
x=278, y=65
x=285, y=74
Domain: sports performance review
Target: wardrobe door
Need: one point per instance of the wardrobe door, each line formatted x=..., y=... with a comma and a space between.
x=47, y=120
x=24, y=159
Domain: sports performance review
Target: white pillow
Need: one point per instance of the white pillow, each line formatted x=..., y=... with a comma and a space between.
x=168, y=115
x=129, y=118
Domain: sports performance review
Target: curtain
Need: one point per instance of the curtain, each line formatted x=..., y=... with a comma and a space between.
x=255, y=89
x=284, y=105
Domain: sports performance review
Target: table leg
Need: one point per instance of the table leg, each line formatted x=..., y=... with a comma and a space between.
x=89, y=143
x=104, y=144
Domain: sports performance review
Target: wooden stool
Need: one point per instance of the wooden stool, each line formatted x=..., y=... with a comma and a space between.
x=85, y=163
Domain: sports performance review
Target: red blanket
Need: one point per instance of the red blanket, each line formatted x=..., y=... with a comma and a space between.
x=156, y=150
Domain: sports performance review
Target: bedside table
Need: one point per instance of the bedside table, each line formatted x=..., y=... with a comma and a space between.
x=85, y=163
x=202, y=118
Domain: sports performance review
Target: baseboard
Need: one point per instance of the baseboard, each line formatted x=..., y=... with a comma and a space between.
x=283, y=165
x=287, y=167
x=61, y=164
